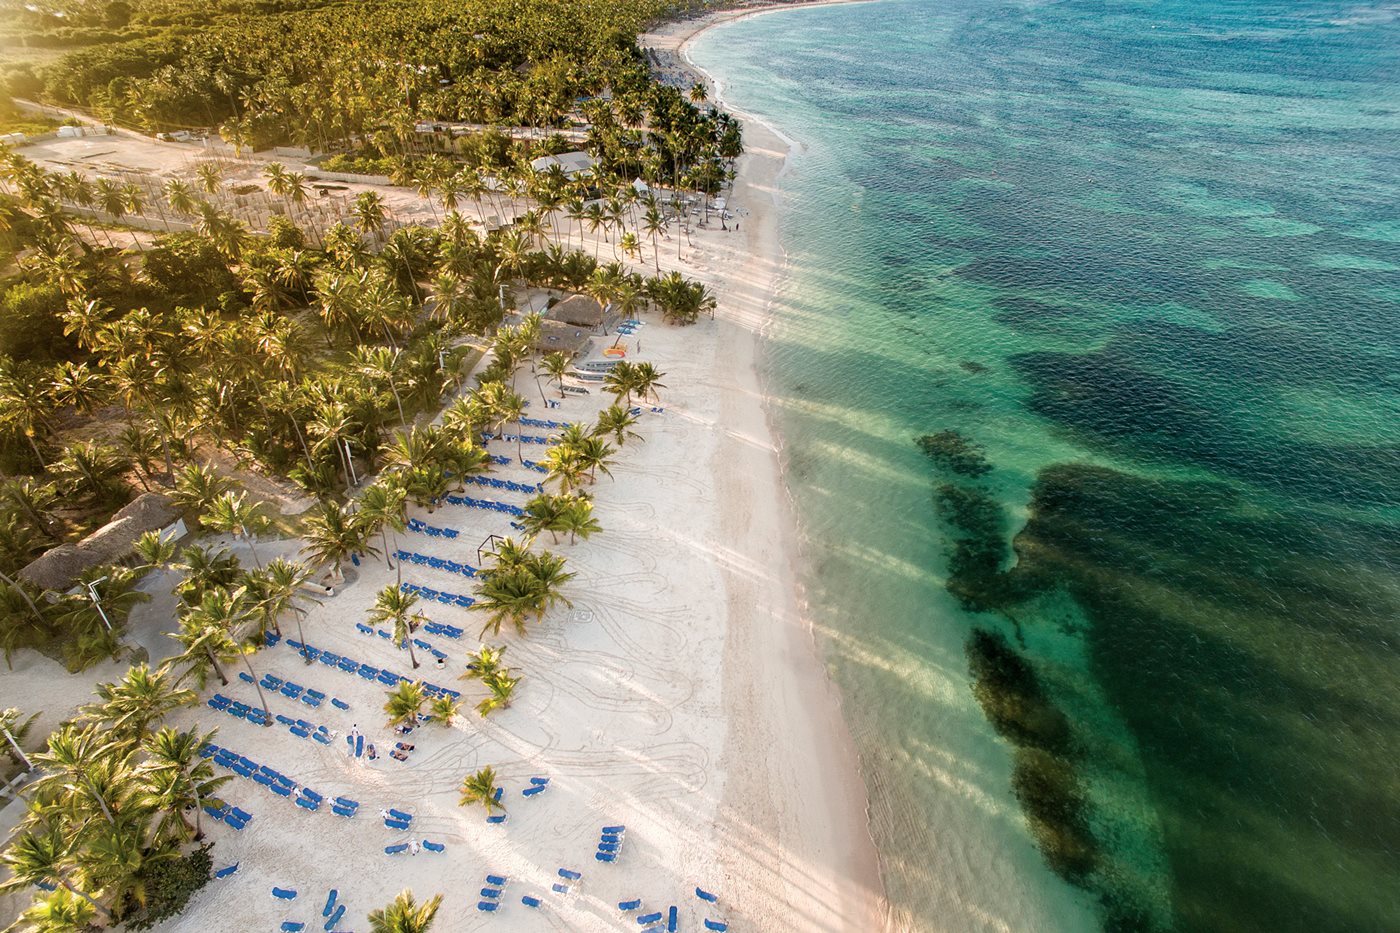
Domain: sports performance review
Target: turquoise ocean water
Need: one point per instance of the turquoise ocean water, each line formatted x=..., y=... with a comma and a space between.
x=1132, y=270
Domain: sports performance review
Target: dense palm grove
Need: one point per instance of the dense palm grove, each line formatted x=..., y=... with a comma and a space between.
x=315, y=353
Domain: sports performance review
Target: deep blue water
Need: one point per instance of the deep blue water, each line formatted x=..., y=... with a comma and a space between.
x=1145, y=258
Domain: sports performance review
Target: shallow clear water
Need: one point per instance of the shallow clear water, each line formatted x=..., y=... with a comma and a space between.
x=1147, y=256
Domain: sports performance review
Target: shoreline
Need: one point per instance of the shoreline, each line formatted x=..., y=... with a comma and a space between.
x=753, y=472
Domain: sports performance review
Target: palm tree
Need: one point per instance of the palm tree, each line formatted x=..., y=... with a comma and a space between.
x=507, y=595
x=92, y=467
x=233, y=514
x=564, y=466
x=48, y=858
x=197, y=487
x=78, y=765
x=405, y=702
x=577, y=519
x=620, y=381
x=502, y=686
x=281, y=588
x=443, y=709
x=210, y=177
x=484, y=661
x=557, y=365
x=542, y=513
x=368, y=211
x=207, y=632
x=393, y=606
x=142, y=697
x=178, y=777
x=383, y=505
x=594, y=454
x=617, y=421
x=480, y=788
x=333, y=533
x=405, y=915
x=646, y=380
x=57, y=912
x=181, y=197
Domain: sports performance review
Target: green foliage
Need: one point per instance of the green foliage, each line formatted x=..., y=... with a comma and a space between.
x=359, y=164
x=170, y=885
x=186, y=267
x=31, y=322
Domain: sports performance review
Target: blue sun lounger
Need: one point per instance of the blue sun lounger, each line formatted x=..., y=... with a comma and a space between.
x=330, y=902
x=608, y=847
x=227, y=872
x=570, y=874
x=560, y=888
x=339, y=703
x=434, y=846
x=335, y=918
x=496, y=820
x=614, y=829
x=493, y=893
x=529, y=901
x=715, y=925
x=396, y=824
x=396, y=849
x=629, y=906
x=606, y=856
x=532, y=791
x=497, y=880
x=292, y=926
x=400, y=815
x=671, y=919
x=645, y=919
x=706, y=895
x=488, y=906
x=284, y=894
x=307, y=804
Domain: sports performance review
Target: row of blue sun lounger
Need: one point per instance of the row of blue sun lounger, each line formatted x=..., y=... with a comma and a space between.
x=388, y=636
x=447, y=599
x=368, y=671
x=505, y=484
x=297, y=727
x=437, y=563
x=443, y=629
x=543, y=423
x=524, y=438
x=669, y=920
x=418, y=526
x=274, y=781
x=494, y=506
x=238, y=710
x=403, y=847
x=397, y=819
x=532, y=465
x=610, y=843
x=333, y=912
x=229, y=815
x=293, y=691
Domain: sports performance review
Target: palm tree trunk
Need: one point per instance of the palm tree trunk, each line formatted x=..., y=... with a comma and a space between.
x=67, y=886
x=198, y=806
x=10, y=582
x=254, y=551
x=217, y=669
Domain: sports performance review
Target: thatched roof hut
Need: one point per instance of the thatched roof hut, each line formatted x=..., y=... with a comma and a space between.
x=558, y=337
x=578, y=310
x=58, y=568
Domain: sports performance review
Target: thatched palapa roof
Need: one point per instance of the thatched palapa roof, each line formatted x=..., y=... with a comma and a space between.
x=58, y=568
x=558, y=337
x=578, y=310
